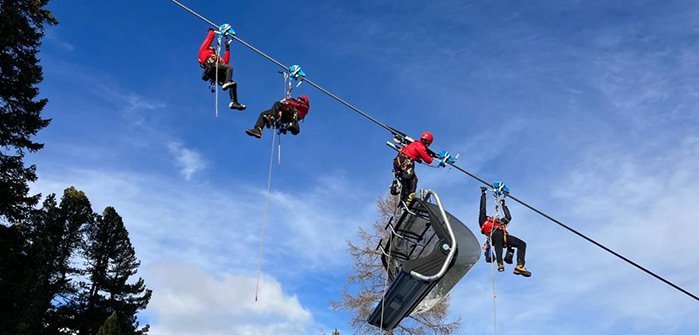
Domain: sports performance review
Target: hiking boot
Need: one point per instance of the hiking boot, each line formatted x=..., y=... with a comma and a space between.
x=226, y=85
x=256, y=132
x=236, y=105
x=508, y=256
x=520, y=270
x=488, y=256
x=395, y=187
x=410, y=198
x=501, y=267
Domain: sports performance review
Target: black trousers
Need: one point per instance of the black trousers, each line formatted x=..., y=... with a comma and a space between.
x=404, y=170
x=225, y=74
x=498, y=241
x=270, y=116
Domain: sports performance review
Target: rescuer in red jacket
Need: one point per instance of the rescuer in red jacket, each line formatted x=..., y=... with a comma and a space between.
x=404, y=166
x=207, y=60
x=284, y=114
x=495, y=229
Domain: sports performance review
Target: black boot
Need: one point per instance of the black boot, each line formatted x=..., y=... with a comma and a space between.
x=236, y=105
x=395, y=187
x=255, y=132
x=520, y=270
x=234, y=97
x=508, y=256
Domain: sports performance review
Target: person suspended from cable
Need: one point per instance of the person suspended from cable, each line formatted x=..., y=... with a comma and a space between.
x=283, y=116
x=217, y=69
x=495, y=228
x=405, y=181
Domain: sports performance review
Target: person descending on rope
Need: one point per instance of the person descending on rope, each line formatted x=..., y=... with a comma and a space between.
x=495, y=229
x=209, y=60
x=284, y=115
x=404, y=167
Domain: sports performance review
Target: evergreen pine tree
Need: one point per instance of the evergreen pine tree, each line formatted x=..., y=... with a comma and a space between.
x=110, y=262
x=45, y=287
x=21, y=29
x=110, y=326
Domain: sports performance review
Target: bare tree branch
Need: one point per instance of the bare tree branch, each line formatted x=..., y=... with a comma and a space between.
x=365, y=287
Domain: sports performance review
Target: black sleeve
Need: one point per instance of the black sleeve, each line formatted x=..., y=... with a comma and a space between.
x=508, y=217
x=482, y=214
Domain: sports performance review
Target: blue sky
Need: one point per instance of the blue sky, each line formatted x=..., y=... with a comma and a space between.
x=586, y=109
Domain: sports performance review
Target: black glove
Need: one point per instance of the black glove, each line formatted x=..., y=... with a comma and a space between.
x=484, y=189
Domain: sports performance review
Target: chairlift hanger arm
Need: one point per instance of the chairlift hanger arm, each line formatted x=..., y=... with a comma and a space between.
x=452, y=246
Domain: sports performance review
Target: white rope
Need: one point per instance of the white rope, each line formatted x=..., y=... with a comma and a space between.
x=492, y=275
x=218, y=51
x=265, y=217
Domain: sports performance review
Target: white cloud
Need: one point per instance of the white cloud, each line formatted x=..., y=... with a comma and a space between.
x=190, y=300
x=52, y=36
x=188, y=161
x=218, y=228
x=642, y=208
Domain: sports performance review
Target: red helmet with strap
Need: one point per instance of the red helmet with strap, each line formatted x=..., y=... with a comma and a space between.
x=427, y=137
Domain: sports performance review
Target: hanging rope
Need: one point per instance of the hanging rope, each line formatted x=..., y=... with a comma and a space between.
x=492, y=277
x=265, y=218
x=218, y=52
x=398, y=133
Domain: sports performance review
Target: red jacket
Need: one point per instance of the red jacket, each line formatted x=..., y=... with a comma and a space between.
x=490, y=224
x=301, y=108
x=416, y=151
x=205, y=52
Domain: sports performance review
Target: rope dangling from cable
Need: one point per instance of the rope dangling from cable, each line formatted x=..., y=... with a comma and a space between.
x=492, y=277
x=265, y=218
x=218, y=52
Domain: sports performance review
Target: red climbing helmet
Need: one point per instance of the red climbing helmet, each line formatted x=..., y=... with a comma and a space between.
x=427, y=137
x=305, y=100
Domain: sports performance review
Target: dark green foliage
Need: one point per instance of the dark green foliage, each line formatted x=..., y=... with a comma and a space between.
x=110, y=262
x=44, y=244
x=110, y=326
x=13, y=260
x=43, y=290
x=21, y=29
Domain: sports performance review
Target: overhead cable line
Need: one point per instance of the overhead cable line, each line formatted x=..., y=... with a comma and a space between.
x=280, y=64
x=401, y=134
